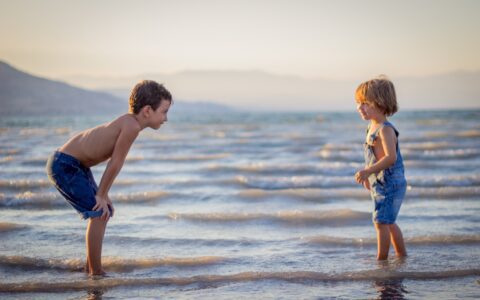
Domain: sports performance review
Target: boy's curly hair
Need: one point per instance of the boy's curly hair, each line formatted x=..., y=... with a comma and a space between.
x=379, y=92
x=148, y=92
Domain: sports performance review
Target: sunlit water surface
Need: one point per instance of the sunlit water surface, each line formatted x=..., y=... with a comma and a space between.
x=243, y=205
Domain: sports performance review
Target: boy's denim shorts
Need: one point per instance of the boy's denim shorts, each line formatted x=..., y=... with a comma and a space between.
x=387, y=195
x=75, y=182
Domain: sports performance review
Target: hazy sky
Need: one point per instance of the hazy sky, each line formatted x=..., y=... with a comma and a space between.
x=312, y=39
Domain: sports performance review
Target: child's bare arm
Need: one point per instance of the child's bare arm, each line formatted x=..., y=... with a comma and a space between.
x=125, y=139
x=388, y=138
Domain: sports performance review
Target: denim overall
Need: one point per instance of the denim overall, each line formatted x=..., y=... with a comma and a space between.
x=387, y=187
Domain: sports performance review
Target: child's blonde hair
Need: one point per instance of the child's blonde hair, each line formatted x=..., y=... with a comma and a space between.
x=379, y=92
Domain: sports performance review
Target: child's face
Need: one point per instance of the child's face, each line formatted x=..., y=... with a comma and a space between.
x=159, y=116
x=367, y=110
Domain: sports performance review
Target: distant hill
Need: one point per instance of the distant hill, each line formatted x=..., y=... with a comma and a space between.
x=22, y=93
x=25, y=94
x=257, y=90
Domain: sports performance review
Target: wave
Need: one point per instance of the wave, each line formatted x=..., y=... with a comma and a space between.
x=450, y=134
x=426, y=146
x=42, y=132
x=330, y=148
x=444, y=180
x=191, y=242
x=10, y=151
x=215, y=279
x=192, y=158
x=51, y=199
x=54, y=199
x=341, y=155
x=343, y=147
x=319, y=195
x=24, y=183
x=272, y=183
x=418, y=240
x=408, y=154
x=41, y=161
x=30, y=199
x=337, y=217
x=447, y=165
x=180, y=158
x=110, y=264
x=7, y=227
x=140, y=197
x=338, y=168
x=306, y=194
x=6, y=159
x=468, y=133
x=300, y=182
x=443, y=192
x=444, y=154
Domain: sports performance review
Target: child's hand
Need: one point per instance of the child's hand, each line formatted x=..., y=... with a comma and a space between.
x=366, y=184
x=102, y=204
x=362, y=176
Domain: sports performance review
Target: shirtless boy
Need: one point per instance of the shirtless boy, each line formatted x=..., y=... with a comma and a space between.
x=69, y=167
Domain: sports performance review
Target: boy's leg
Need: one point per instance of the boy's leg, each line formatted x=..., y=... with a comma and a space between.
x=94, y=241
x=397, y=240
x=383, y=240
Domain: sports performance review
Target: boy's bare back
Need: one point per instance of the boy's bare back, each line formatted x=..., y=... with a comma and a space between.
x=96, y=145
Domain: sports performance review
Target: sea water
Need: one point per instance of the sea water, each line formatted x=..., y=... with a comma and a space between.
x=246, y=205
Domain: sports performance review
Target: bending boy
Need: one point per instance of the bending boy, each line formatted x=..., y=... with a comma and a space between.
x=68, y=168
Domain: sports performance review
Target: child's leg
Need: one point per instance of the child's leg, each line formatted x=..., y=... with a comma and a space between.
x=397, y=240
x=94, y=241
x=383, y=240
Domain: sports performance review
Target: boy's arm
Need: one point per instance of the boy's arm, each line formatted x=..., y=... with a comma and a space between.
x=125, y=139
x=388, y=138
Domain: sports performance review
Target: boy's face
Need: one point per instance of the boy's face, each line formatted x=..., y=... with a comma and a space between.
x=159, y=116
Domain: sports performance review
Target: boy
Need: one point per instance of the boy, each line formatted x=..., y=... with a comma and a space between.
x=69, y=167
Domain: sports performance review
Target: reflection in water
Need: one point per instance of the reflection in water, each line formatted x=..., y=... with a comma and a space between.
x=390, y=289
x=95, y=294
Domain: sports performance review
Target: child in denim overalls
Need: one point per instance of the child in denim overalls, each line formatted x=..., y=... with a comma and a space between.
x=383, y=174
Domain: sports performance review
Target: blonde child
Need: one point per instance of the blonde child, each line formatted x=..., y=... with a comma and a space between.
x=383, y=174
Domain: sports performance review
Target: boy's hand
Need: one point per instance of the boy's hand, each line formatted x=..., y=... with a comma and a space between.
x=110, y=205
x=362, y=176
x=102, y=204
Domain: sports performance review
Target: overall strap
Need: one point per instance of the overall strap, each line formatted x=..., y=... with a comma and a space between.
x=387, y=123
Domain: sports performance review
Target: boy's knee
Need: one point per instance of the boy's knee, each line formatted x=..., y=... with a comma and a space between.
x=98, y=221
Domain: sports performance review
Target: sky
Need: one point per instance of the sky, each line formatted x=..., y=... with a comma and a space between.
x=341, y=40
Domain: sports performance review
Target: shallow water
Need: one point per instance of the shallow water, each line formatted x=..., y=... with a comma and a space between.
x=245, y=205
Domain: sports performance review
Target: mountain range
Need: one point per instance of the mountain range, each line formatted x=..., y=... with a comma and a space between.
x=258, y=90
x=219, y=91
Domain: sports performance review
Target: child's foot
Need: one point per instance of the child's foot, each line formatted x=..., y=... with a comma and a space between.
x=97, y=273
